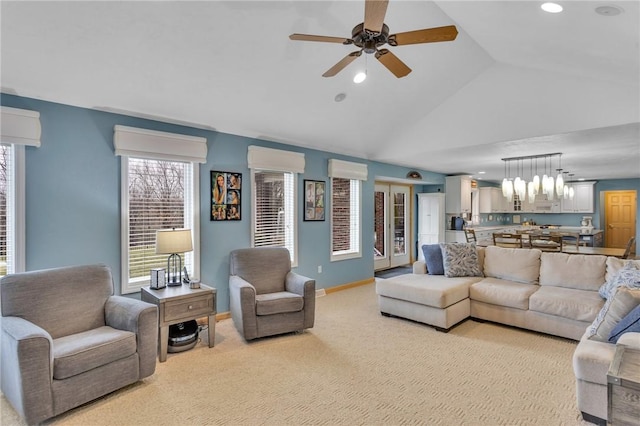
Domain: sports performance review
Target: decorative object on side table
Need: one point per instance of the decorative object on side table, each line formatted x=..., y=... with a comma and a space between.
x=172, y=242
x=158, y=278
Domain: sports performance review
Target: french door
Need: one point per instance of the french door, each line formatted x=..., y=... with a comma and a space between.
x=392, y=234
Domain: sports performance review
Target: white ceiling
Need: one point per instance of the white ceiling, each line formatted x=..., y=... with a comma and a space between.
x=516, y=81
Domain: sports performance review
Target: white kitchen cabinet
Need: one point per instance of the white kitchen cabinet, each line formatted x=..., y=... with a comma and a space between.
x=431, y=220
x=582, y=201
x=544, y=205
x=458, y=189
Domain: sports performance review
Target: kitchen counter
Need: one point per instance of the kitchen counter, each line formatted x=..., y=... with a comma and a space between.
x=591, y=238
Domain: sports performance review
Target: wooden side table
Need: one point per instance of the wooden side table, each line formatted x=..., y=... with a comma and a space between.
x=179, y=304
x=623, y=387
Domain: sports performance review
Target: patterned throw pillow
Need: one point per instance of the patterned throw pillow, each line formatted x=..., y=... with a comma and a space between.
x=433, y=259
x=628, y=324
x=614, y=310
x=628, y=276
x=460, y=260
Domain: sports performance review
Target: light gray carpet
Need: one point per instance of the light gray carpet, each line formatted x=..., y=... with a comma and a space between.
x=354, y=367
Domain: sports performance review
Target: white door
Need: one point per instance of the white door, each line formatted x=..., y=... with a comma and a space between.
x=392, y=204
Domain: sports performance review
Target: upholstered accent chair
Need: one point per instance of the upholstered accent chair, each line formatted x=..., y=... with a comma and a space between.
x=266, y=297
x=67, y=340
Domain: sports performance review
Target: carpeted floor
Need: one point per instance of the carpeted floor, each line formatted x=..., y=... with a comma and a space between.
x=355, y=367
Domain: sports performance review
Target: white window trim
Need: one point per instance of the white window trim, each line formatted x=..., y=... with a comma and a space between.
x=134, y=286
x=353, y=171
x=16, y=219
x=347, y=254
x=294, y=220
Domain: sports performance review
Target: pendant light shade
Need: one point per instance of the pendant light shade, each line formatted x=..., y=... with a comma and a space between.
x=531, y=191
x=547, y=184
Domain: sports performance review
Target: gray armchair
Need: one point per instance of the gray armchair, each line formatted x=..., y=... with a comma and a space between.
x=67, y=340
x=266, y=297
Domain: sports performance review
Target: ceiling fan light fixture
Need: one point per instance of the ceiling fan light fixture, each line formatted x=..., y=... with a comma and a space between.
x=551, y=7
x=360, y=77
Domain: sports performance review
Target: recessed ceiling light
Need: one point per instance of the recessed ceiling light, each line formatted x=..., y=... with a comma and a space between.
x=609, y=10
x=551, y=7
x=481, y=173
x=340, y=97
x=360, y=77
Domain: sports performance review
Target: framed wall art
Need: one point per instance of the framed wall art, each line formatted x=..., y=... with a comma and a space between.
x=226, y=191
x=314, y=200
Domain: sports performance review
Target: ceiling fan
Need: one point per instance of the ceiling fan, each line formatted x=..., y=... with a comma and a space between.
x=373, y=33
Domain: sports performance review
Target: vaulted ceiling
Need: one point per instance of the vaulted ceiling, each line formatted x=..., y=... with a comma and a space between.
x=516, y=81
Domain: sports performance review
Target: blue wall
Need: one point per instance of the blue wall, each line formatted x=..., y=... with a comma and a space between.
x=73, y=198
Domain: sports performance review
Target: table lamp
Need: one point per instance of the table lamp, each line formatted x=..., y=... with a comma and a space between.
x=172, y=242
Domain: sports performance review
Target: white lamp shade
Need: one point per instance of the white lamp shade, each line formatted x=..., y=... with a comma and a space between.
x=170, y=241
x=536, y=184
x=559, y=185
x=531, y=192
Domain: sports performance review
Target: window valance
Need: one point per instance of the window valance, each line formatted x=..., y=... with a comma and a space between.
x=347, y=170
x=262, y=158
x=134, y=142
x=20, y=127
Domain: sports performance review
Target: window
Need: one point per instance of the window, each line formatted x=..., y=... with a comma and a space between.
x=274, y=191
x=160, y=196
x=160, y=190
x=274, y=222
x=346, y=215
x=20, y=128
x=9, y=216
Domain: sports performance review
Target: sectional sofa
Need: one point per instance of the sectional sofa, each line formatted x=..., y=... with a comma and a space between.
x=552, y=293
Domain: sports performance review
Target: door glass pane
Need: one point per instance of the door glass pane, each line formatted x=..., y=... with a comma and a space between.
x=379, y=216
x=399, y=219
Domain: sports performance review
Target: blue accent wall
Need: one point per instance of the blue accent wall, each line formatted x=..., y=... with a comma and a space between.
x=73, y=198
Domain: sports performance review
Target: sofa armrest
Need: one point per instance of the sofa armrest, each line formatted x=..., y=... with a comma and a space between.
x=138, y=317
x=631, y=339
x=27, y=368
x=242, y=303
x=419, y=267
x=305, y=287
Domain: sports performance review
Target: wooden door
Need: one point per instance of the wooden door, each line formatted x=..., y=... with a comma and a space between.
x=620, y=217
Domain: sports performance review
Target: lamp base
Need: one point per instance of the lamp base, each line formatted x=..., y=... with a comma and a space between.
x=173, y=284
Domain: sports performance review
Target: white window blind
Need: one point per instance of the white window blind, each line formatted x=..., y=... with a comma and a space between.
x=7, y=255
x=274, y=215
x=160, y=196
x=345, y=218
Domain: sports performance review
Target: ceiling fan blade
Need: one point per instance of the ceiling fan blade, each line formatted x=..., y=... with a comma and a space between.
x=342, y=64
x=326, y=39
x=374, y=12
x=393, y=64
x=429, y=35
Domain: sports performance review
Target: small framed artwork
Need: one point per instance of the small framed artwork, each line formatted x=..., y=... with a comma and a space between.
x=226, y=191
x=314, y=200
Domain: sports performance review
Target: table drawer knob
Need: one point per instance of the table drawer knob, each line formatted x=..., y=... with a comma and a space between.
x=190, y=306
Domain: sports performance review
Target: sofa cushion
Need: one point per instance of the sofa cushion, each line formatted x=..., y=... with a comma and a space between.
x=432, y=290
x=278, y=303
x=628, y=276
x=579, y=271
x=460, y=260
x=614, y=265
x=519, y=265
x=579, y=305
x=615, y=308
x=433, y=259
x=503, y=292
x=628, y=324
x=77, y=353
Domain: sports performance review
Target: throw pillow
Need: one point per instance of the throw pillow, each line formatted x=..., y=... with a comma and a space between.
x=617, y=307
x=628, y=276
x=460, y=260
x=628, y=324
x=433, y=259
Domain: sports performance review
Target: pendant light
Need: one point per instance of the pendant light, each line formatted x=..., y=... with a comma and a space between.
x=559, y=180
x=536, y=181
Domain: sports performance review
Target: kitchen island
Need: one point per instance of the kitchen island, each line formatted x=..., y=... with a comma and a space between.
x=484, y=234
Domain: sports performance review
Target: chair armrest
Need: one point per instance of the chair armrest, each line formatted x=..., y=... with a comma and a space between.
x=242, y=303
x=305, y=287
x=419, y=267
x=140, y=318
x=27, y=368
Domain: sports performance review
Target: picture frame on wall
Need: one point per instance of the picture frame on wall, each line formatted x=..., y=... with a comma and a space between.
x=226, y=196
x=314, y=200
